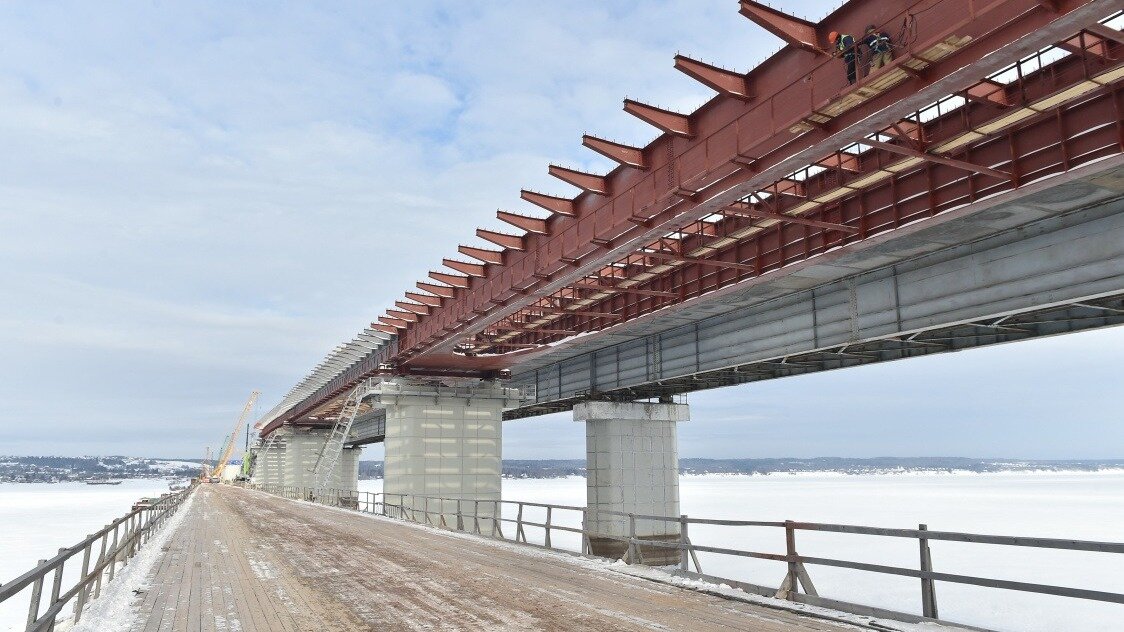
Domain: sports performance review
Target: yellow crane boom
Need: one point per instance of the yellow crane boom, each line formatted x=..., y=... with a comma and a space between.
x=228, y=449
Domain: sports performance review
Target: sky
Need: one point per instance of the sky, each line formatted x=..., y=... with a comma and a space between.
x=201, y=199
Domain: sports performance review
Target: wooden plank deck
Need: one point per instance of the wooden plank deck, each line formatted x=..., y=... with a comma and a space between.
x=247, y=561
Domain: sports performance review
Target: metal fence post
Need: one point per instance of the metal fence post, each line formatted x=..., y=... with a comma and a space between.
x=548, y=519
x=928, y=594
x=36, y=597
x=631, y=556
x=519, y=534
x=683, y=553
x=56, y=588
x=460, y=517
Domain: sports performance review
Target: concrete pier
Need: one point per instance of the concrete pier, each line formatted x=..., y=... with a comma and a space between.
x=445, y=442
x=292, y=456
x=632, y=466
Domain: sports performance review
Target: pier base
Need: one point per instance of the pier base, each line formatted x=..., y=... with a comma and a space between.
x=443, y=451
x=632, y=467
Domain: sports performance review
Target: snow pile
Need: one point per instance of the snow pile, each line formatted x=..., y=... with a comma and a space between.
x=115, y=610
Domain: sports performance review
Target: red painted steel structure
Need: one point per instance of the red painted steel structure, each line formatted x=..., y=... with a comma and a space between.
x=786, y=162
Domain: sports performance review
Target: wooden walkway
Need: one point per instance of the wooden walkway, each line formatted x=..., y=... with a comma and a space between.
x=246, y=561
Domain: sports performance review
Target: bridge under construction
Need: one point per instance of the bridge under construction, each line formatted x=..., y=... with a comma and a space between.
x=969, y=193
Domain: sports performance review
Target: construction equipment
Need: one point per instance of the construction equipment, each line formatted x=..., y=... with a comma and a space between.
x=228, y=446
x=204, y=467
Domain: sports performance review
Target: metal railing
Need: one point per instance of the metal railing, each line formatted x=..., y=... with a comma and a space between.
x=486, y=518
x=115, y=543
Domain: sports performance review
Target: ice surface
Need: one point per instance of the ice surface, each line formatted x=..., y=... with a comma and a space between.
x=36, y=519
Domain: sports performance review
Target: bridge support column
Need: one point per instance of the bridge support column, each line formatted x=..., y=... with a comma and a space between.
x=293, y=455
x=632, y=467
x=444, y=443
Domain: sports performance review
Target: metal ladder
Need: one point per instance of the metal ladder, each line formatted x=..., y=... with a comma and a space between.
x=333, y=447
x=259, y=458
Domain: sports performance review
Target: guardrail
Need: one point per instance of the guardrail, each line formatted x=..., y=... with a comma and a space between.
x=485, y=518
x=116, y=542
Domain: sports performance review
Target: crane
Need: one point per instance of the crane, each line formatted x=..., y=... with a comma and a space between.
x=228, y=446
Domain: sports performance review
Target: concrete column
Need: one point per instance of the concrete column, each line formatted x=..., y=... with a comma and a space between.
x=444, y=442
x=293, y=455
x=632, y=466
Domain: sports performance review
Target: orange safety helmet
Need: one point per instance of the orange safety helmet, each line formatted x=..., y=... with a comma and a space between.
x=832, y=36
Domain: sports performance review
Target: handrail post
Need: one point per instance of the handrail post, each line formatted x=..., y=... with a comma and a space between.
x=549, y=509
x=683, y=553
x=460, y=517
x=101, y=558
x=928, y=594
x=56, y=588
x=519, y=525
x=476, y=516
x=630, y=553
x=36, y=597
x=81, y=601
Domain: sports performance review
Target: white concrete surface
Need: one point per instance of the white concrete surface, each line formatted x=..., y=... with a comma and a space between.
x=632, y=464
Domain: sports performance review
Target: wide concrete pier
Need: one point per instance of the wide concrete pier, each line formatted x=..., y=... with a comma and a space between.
x=249, y=561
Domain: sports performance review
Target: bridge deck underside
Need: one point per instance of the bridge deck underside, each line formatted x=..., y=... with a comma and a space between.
x=248, y=561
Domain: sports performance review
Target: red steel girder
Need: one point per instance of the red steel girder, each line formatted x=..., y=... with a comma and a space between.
x=793, y=30
x=552, y=203
x=527, y=223
x=483, y=254
x=1000, y=31
x=588, y=182
x=624, y=154
x=442, y=291
x=465, y=267
x=749, y=210
x=505, y=240
x=944, y=160
x=724, y=81
x=1007, y=23
x=665, y=120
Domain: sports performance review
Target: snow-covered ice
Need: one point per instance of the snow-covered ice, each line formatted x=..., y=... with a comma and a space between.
x=36, y=519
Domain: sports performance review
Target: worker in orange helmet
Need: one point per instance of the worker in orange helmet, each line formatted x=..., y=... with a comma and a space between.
x=843, y=45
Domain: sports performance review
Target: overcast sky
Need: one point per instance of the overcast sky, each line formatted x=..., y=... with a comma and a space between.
x=200, y=199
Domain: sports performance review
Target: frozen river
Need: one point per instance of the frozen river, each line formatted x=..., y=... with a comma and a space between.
x=35, y=520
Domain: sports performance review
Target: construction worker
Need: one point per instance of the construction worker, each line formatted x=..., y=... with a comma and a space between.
x=880, y=47
x=844, y=46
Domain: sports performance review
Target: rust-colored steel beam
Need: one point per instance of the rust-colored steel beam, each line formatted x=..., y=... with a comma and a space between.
x=527, y=223
x=571, y=312
x=483, y=254
x=667, y=256
x=793, y=30
x=465, y=267
x=665, y=120
x=417, y=308
x=424, y=299
x=386, y=329
x=538, y=330
x=748, y=210
x=409, y=317
x=504, y=240
x=624, y=154
x=724, y=81
x=552, y=203
x=943, y=160
x=454, y=280
x=803, y=111
x=628, y=290
x=393, y=322
x=587, y=182
x=442, y=291
x=1106, y=32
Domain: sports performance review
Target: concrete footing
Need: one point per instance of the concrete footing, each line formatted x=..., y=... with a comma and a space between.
x=632, y=467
